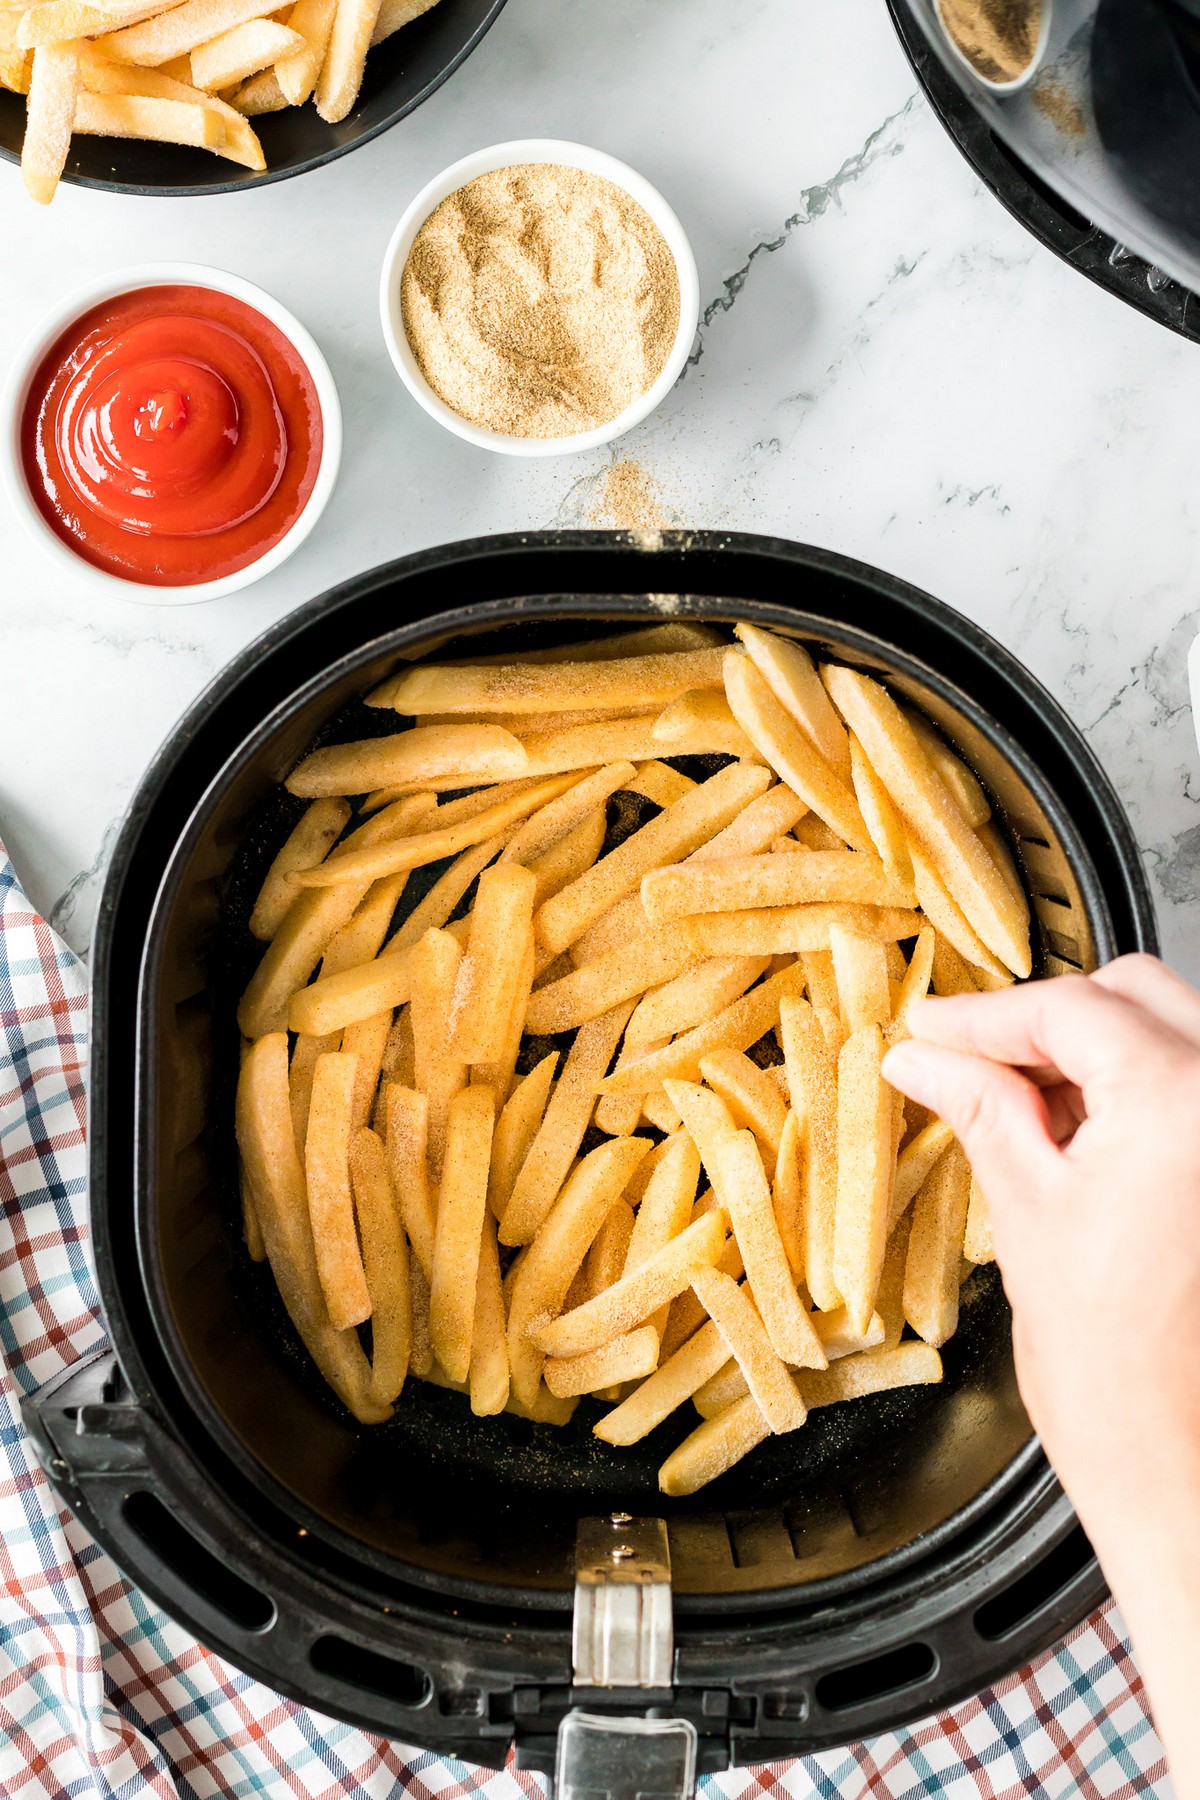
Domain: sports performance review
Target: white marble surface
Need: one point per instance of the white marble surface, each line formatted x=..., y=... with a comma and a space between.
x=889, y=367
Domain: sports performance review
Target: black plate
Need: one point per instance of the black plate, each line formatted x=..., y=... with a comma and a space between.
x=401, y=72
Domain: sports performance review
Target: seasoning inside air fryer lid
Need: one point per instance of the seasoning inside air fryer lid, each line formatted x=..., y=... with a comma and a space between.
x=998, y=37
x=540, y=300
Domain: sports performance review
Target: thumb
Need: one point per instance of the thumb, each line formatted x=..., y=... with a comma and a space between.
x=998, y=1116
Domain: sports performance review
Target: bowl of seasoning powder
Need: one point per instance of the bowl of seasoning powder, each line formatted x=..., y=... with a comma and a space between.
x=539, y=298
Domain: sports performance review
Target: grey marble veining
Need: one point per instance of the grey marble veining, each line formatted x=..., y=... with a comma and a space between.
x=886, y=365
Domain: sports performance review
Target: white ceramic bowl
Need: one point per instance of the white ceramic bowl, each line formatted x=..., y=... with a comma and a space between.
x=504, y=156
x=16, y=392
x=1027, y=74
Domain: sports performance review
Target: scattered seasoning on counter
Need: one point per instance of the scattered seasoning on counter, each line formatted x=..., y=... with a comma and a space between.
x=629, y=499
x=1055, y=103
x=540, y=300
x=998, y=37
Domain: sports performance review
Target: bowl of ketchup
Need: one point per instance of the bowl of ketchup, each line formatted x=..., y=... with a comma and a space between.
x=173, y=433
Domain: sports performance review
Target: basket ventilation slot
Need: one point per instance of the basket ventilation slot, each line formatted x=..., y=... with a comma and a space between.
x=187, y=1558
x=401, y=1682
x=1028, y=1595
x=844, y=1689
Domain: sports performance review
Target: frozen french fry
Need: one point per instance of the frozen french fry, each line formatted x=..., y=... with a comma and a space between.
x=665, y=1208
x=866, y=1166
x=678, y=829
x=962, y=862
x=305, y=1052
x=714, y=1447
x=789, y=751
x=366, y=1042
x=791, y=930
x=439, y=1072
x=545, y=828
x=737, y=1319
x=791, y=675
x=605, y=1262
x=573, y=854
x=659, y=782
x=691, y=998
x=516, y=1129
x=812, y=1071
x=949, y=972
x=625, y=1358
x=399, y=1060
x=315, y=834
x=787, y=1195
x=421, y=1356
x=948, y=918
x=620, y=1114
x=876, y=1372
x=739, y=884
x=385, y=1261
x=935, y=1248
x=914, y=1165
x=360, y=939
x=915, y=984
x=489, y=1377
x=498, y=1073
x=178, y=30
x=462, y=1203
x=268, y=1150
x=883, y=822
x=860, y=970
x=753, y=1098
x=50, y=108
x=471, y=752
x=407, y=1114
x=736, y=1027
x=642, y=640
x=889, y=1300
x=812, y=833
x=821, y=981
x=702, y=711
x=533, y=688
x=245, y=50
x=658, y=1111
x=312, y=20
x=330, y=1200
x=963, y=784
x=636, y=1296
x=740, y=1184
x=490, y=978
x=994, y=843
x=556, y=1253
x=292, y=955
x=977, y=1237
x=560, y=1134
x=672, y=1382
x=598, y=986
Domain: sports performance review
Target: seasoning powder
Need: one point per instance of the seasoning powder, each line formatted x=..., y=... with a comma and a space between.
x=540, y=300
x=999, y=38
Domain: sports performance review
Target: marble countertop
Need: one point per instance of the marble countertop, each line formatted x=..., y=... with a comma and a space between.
x=888, y=366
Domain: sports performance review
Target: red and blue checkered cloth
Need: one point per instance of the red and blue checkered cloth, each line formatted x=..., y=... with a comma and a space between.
x=102, y=1697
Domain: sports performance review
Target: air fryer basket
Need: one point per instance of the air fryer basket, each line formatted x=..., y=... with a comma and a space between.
x=418, y=1577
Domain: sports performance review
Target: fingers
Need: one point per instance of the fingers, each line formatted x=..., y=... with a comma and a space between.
x=1149, y=983
x=1070, y=1026
x=998, y=1117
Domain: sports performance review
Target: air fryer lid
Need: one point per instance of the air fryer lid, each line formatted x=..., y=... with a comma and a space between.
x=908, y=1516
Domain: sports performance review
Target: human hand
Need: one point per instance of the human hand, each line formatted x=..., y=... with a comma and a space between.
x=1078, y=1103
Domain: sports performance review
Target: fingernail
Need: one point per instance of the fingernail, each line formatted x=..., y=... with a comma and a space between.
x=907, y=1068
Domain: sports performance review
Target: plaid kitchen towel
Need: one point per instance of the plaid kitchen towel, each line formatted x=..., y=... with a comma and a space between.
x=102, y=1697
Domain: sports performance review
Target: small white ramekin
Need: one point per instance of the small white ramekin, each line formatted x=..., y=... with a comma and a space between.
x=16, y=393
x=504, y=156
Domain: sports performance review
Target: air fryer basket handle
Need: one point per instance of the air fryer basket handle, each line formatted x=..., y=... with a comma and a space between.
x=601, y=1758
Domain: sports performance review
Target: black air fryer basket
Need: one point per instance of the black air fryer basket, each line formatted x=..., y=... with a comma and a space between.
x=419, y=1578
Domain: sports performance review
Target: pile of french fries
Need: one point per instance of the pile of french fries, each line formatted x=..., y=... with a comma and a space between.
x=759, y=1225
x=181, y=71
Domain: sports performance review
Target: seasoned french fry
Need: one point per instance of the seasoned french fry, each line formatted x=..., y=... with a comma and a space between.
x=625, y=1358
x=337, y=1001
x=557, y=1251
x=620, y=1114
x=319, y=828
x=245, y=50
x=393, y=818
x=882, y=820
x=605, y=1262
x=462, y=1203
x=691, y=998
x=977, y=1237
x=935, y=1248
x=471, y=752
x=407, y=1114
x=399, y=1060
x=658, y=1111
x=312, y=20
x=421, y=1356
x=789, y=751
x=64, y=23
x=756, y=826
x=498, y=1073
x=571, y=857
x=789, y=930
x=385, y=1260
x=714, y=1447
x=740, y=1184
x=342, y=72
x=489, y=1378
x=672, y=1382
x=638, y=1295
x=366, y=1042
x=665, y=1209
x=267, y=1146
x=546, y=828
x=658, y=782
x=948, y=918
x=642, y=640
x=914, y=1165
x=821, y=982
x=330, y=1201
x=993, y=842
x=753, y=1098
x=434, y=910
x=599, y=986
x=300, y=1078
x=516, y=1129
x=866, y=1167
x=533, y=688
x=738, y=884
x=791, y=675
x=292, y=955
x=949, y=972
x=963, y=784
x=438, y=1071
x=707, y=712
x=359, y=940
x=390, y=857
x=685, y=1315
x=889, y=1300
x=963, y=863
x=738, y=1321
x=490, y=978
x=787, y=1196
x=876, y=1372
x=15, y=61
x=178, y=31
x=561, y=1132
x=860, y=970
x=50, y=109
x=735, y=1028
x=812, y=1071
x=261, y=94
x=915, y=984
x=678, y=829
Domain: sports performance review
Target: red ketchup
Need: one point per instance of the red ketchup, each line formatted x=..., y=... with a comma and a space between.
x=172, y=435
